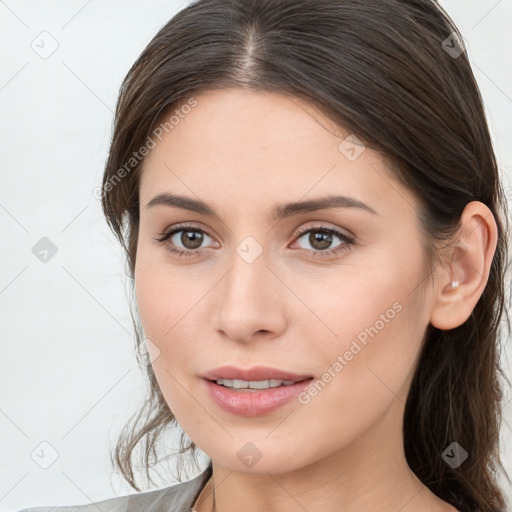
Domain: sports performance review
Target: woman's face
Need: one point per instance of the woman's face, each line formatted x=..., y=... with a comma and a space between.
x=251, y=291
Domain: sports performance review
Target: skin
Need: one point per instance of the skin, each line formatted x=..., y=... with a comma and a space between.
x=242, y=152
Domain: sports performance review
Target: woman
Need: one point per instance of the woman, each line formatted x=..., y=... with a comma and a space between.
x=317, y=235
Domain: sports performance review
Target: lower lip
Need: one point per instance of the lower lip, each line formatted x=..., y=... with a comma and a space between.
x=254, y=403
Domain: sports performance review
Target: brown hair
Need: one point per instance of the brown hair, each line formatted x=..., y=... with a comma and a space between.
x=389, y=71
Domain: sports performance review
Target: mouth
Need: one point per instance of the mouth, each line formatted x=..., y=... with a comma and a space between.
x=254, y=398
x=255, y=385
x=256, y=374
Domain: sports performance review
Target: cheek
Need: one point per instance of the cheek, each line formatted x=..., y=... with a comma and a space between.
x=367, y=366
x=169, y=302
x=164, y=294
x=154, y=295
x=371, y=329
x=150, y=298
x=163, y=308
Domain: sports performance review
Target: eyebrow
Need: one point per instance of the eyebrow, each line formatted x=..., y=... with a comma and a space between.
x=279, y=211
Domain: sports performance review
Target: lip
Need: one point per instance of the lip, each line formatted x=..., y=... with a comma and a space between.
x=254, y=403
x=254, y=373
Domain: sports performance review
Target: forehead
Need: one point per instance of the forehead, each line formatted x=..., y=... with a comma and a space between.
x=232, y=122
x=248, y=146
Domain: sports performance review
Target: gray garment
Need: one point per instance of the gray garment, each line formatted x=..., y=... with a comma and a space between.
x=179, y=497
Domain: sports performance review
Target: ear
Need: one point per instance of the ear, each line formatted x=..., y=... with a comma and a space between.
x=470, y=257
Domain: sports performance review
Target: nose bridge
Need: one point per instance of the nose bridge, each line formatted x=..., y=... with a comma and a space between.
x=246, y=303
x=248, y=278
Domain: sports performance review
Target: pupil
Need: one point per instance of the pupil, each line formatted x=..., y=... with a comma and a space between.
x=320, y=236
x=195, y=239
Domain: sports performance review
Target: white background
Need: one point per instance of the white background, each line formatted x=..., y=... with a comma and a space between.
x=68, y=375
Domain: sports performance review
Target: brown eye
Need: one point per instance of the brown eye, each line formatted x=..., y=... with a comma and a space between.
x=183, y=240
x=321, y=239
x=191, y=239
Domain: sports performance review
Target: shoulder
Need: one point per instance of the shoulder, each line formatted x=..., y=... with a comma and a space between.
x=176, y=498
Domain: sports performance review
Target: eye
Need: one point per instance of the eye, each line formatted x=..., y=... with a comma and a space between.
x=320, y=238
x=191, y=238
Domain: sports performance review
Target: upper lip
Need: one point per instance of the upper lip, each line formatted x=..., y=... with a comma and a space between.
x=254, y=373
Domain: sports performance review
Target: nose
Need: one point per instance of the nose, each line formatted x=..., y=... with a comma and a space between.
x=251, y=300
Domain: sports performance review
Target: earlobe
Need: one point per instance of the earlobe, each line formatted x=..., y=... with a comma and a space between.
x=461, y=283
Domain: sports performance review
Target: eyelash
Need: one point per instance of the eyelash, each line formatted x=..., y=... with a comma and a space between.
x=348, y=240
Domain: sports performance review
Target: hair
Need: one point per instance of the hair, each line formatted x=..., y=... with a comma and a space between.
x=382, y=70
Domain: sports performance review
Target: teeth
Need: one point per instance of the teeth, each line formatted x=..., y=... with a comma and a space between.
x=254, y=384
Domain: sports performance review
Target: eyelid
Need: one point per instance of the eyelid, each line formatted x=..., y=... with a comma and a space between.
x=324, y=226
x=297, y=232
x=170, y=230
x=346, y=242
